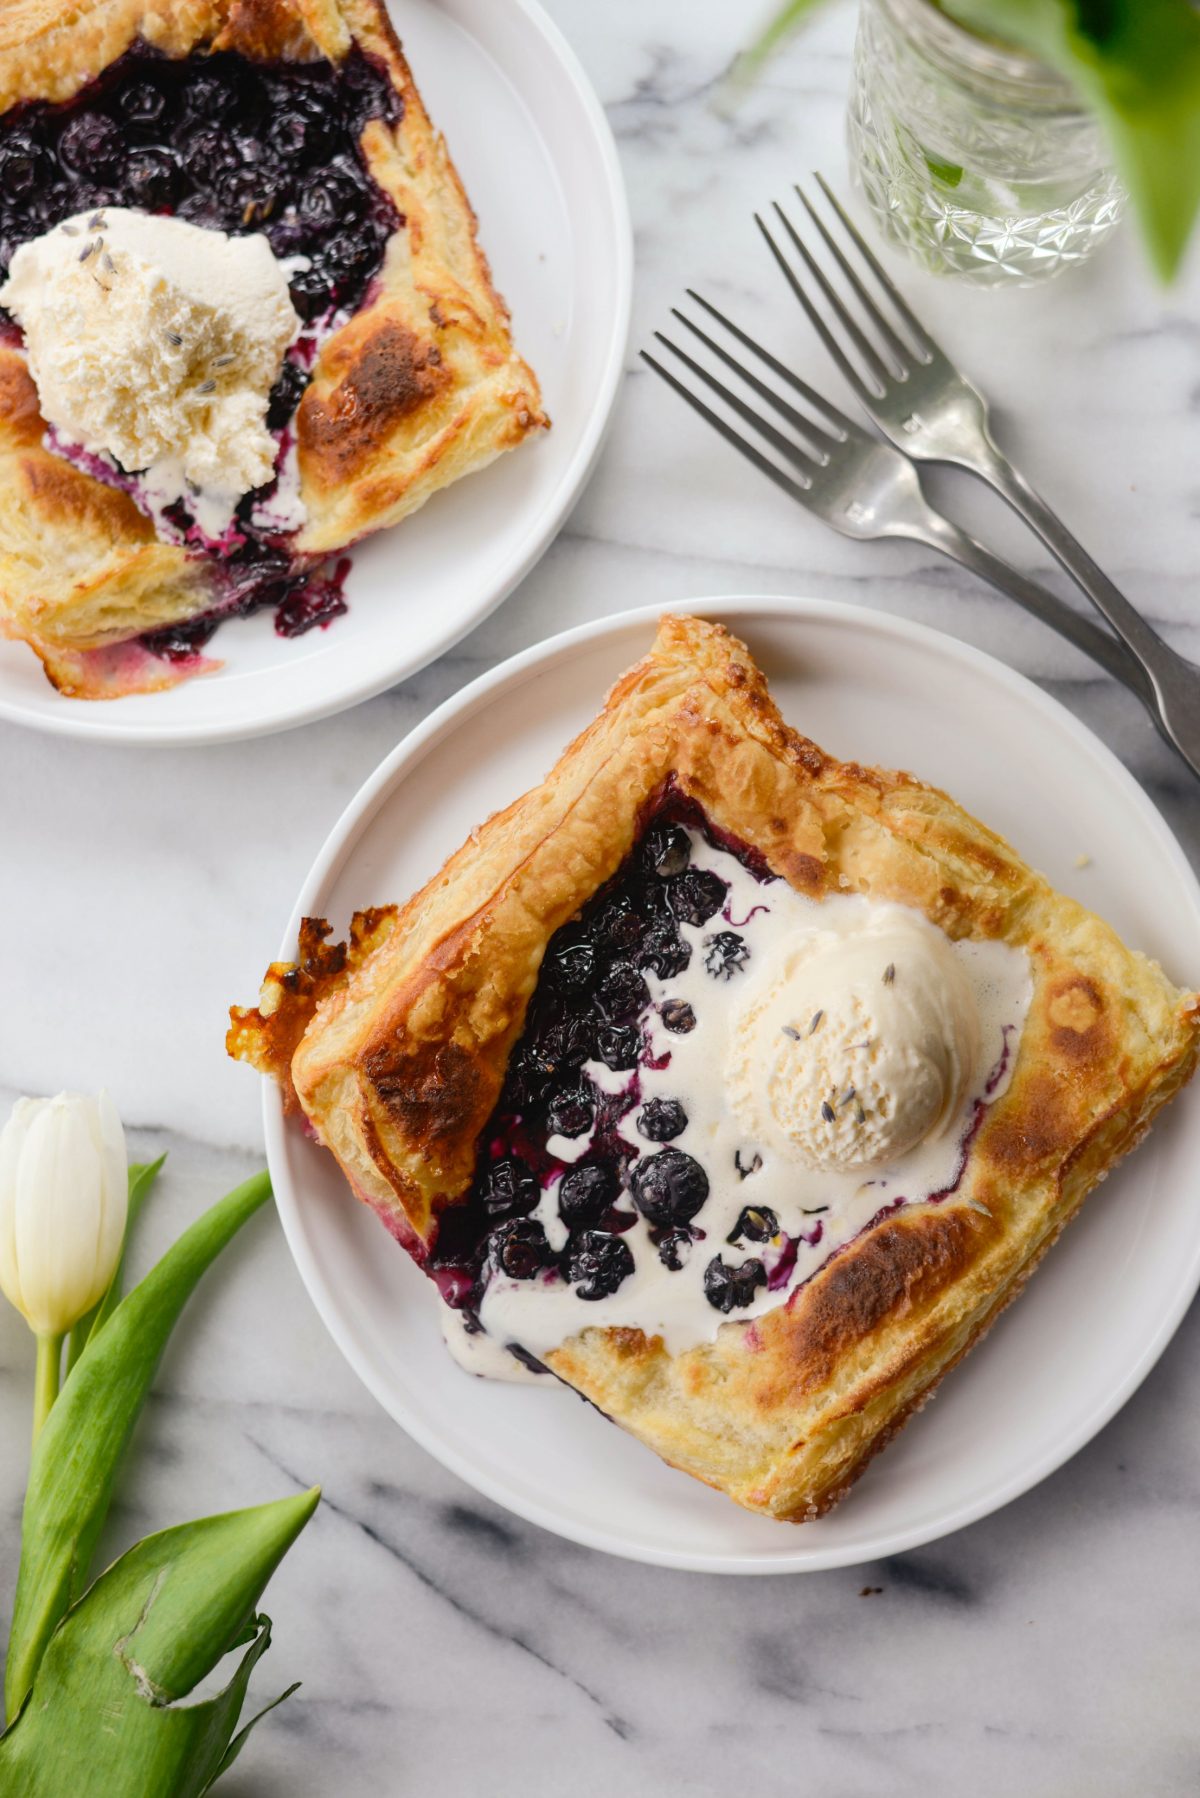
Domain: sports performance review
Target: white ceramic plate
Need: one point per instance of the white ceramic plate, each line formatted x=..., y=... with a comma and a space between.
x=1092, y=1322
x=538, y=161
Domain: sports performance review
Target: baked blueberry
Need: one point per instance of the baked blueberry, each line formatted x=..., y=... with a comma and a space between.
x=571, y=1111
x=142, y=104
x=330, y=198
x=668, y=850
x=564, y=1044
x=696, y=895
x=353, y=254
x=209, y=151
x=619, y=1046
x=509, y=1189
x=154, y=177
x=662, y=1120
x=301, y=129
x=585, y=1192
x=664, y=951
x=209, y=96
x=730, y=1288
x=672, y=1248
x=90, y=144
x=519, y=1248
x=312, y=292
x=314, y=602
x=247, y=194
x=286, y=395
x=572, y=965
x=622, y=993
x=23, y=165
x=677, y=1016
x=757, y=1223
x=620, y=925
x=597, y=1263
x=669, y=1188
x=725, y=954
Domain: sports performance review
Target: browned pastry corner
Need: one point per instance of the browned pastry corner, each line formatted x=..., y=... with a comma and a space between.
x=421, y=385
x=395, y=1049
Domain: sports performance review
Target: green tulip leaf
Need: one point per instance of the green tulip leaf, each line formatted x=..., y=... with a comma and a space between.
x=76, y=1457
x=105, y=1712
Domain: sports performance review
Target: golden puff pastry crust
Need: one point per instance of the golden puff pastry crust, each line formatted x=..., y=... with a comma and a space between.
x=420, y=386
x=394, y=1046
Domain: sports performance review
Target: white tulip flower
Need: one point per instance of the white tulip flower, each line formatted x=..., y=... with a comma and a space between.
x=63, y=1203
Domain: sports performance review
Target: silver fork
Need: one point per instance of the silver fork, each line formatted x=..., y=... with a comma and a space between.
x=919, y=400
x=860, y=486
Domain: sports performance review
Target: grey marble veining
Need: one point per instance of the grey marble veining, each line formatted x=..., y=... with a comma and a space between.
x=446, y=1647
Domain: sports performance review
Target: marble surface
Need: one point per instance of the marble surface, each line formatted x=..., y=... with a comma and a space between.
x=445, y=1647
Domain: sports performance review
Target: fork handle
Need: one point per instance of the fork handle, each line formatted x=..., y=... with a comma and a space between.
x=941, y=534
x=1157, y=658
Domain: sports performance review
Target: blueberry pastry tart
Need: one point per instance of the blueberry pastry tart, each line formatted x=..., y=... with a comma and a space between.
x=739, y=1087
x=244, y=321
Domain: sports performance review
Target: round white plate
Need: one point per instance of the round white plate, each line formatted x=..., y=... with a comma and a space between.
x=539, y=164
x=1092, y=1322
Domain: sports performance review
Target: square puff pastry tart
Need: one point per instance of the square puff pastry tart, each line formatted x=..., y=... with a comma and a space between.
x=418, y=387
x=395, y=1047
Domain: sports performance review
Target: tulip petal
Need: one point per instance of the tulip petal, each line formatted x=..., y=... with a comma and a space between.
x=58, y=1198
x=12, y=1144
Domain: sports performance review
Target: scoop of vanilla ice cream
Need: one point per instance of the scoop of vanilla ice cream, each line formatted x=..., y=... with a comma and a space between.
x=854, y=1046
x=157, y=342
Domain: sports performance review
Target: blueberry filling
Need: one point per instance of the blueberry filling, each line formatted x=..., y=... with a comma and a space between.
x=571, y=1112
x=677, y=1016
x=234, y=146
x=725, y=954
x=598, y=1263
x=585, y=1193
x=573, y=966
x=664, y=951
x=622, y=993
x=668, y=1188
x=696, y=895
x=591, y=1004
x=519, y=1248
x=662, y=1120
x=619, y=1046
x=672, y=1248
x=509, y=1189
x=732, y=1288
x=757, y=1223
x=668, y=850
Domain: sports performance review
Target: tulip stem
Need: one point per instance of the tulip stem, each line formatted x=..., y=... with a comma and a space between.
x=45, y=1388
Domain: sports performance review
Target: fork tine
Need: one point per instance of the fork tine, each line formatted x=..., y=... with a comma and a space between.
x=822, y=443
x=792, y=451
x=809, y=395
x=866, y=349
x=814, y=317
x=726, y=430
x=920, y=335
x=901, y=352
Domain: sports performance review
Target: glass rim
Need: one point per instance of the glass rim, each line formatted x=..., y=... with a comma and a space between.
x=988, y=57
